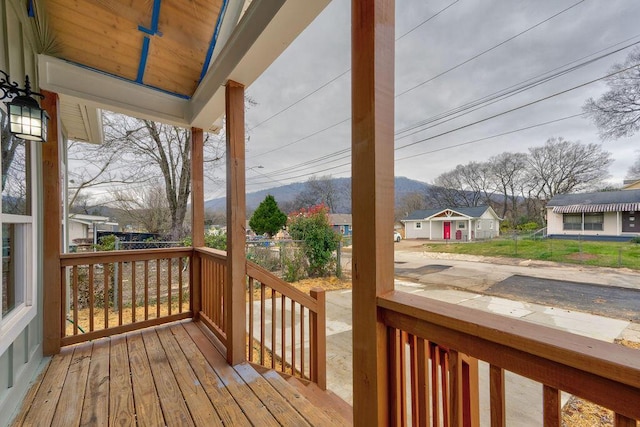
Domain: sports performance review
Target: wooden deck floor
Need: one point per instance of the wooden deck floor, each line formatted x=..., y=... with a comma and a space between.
x=169, y=375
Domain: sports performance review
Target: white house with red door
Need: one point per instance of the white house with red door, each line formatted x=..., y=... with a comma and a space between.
x=456, y=224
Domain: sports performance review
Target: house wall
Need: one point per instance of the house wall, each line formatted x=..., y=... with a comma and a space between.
x=21, y=329
x=77, y=230
x=411, y=232
x=610, y=227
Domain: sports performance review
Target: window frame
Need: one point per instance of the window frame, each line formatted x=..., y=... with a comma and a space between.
x=418, y=225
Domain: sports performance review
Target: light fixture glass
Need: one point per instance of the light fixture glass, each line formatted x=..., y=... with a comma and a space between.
x=26, y=119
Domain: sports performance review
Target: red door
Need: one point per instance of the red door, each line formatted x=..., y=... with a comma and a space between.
x=447, y=231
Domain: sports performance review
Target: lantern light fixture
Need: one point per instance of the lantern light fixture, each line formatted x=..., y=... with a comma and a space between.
x=26, y=119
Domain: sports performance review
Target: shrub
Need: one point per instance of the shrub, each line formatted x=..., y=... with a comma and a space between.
x=635, y=240
x=319, y=240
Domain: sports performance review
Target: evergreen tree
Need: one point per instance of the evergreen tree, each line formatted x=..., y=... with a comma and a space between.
x=268, y=218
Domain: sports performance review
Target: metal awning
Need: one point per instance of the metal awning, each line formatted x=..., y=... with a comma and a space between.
x=612, y=207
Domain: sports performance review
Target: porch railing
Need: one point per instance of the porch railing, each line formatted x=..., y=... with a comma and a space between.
x=113, y=292
x=286, y=327
x=295, y=342
x=601, y=372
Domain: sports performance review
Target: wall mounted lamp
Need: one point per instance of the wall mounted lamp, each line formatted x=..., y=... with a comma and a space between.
x=26, y=119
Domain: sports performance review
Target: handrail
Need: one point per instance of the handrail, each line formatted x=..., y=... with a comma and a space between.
x=68, y=260
x=604, y=373
x=264, y=276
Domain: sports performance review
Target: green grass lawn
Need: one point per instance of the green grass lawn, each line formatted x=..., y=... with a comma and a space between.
x=604, y=254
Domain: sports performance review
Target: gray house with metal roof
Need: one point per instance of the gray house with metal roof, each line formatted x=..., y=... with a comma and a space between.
x=604, y=215
x=462, y=224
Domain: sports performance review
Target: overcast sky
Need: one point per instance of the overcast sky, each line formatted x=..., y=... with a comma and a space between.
x=428, y=55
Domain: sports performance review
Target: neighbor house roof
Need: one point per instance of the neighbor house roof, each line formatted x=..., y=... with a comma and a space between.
x=604, y=201
x=340, y=219
x=470, y=212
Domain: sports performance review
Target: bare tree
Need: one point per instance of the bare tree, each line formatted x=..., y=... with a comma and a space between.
x=465, y=186
x=320, y=190
x=146, y=207
x=617, y=112
x=151, y=155
x=634, y=170
x=409, y=203
x=562, y=166
x=508, y=172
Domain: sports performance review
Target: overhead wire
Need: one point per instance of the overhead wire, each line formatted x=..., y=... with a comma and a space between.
x=475, y=103
x=431, y=78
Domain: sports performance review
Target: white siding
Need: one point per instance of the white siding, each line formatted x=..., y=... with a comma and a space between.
x=412, y=232
x=611, y=225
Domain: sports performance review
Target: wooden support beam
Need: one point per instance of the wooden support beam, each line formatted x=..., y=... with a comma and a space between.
x=234, y=298
x=52, y=234
x=372, y=94
x=197, y=217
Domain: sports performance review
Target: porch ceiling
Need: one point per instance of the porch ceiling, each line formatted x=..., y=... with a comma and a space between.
x=162, y=44
x=164, y=60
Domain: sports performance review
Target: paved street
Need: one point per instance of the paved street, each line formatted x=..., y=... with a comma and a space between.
x=515, y=288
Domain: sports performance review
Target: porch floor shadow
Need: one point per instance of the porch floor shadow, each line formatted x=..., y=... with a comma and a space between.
x=170, y=375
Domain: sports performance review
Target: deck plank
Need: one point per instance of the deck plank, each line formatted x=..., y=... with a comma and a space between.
x=202, y=411
x=44, y=404
x=277, y=405
x=227, y=407
x=173, y=406
x=315, y=416
x=95, y=411
x=71, y=400
x=242, y=393
x=147, y=404
x=121, y=408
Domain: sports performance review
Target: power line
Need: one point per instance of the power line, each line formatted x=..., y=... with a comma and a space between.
x=528, y=104
x=490, y=49
x=348, y=70
x=489, y=137
x=431, y=78
x=478, y=103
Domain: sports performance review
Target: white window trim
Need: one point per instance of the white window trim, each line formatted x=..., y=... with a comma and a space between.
x=14, y=322
x=418, y=225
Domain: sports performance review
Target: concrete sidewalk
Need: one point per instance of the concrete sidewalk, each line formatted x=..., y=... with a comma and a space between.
x=524, y=403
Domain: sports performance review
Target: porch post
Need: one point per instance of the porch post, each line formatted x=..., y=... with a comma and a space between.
x=197, y=216
x=470, y=230
x=372, y=92
x=234, y=301
x=53, y=317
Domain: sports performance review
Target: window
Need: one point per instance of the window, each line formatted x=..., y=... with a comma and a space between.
x=593, y=221
x=461, y=225
x=572, y=221
x=17, y=224
x=479, y=226
x=491, y=225
x=418, y=225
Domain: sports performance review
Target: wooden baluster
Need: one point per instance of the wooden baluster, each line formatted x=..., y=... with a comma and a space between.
x=146, y=290
x=496, y=392
x=456, y=391
x=403, y=377
x=157, y=288
x=107, y=280
x=421, y=398
x=273, y=329
x=117, y=285
x=435, y=386
x=293, y=337
x=180, y=267
x=134, y=302
x=283, y=330
x=413, y=377
x=262, y=322
x=91, y=297
x=446, y=394
x=622, y=421
x=395, y=382
x=169, y=285
x=470, y=391
x=319, y=339
x=250, y=346
x=551, y=406
x=302, y=346
x=74, y=285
